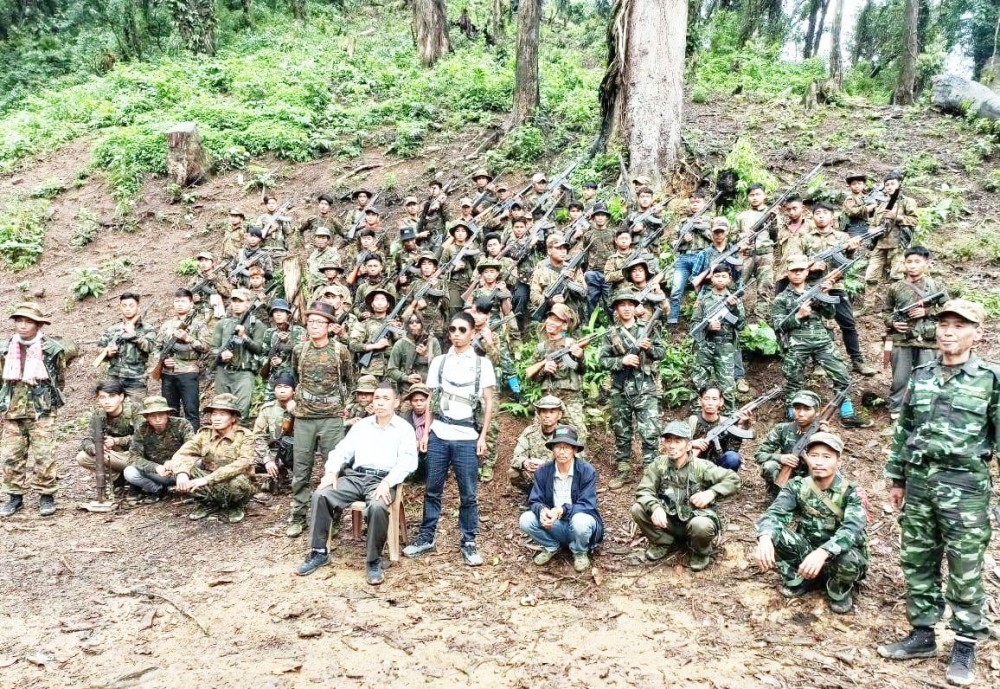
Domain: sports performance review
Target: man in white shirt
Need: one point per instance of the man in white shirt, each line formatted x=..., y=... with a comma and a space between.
x=462, y=385
x=379, y=452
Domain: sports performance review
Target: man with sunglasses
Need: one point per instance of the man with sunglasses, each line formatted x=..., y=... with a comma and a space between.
x=462, y=385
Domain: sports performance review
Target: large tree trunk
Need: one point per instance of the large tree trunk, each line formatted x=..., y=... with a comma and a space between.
x=526, y=93
x=810, y=29
x=496, y=29
x=195, y=22
x=908, y=60
x=430, y=27
x=820, y=25
x=836, y=60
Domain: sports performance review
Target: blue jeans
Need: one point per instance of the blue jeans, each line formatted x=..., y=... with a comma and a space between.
x=574, y=532
x=682, y=276
x=730, y=459
x=597, y=288
x=148, y=482
x=739, y=372
x=442, y=454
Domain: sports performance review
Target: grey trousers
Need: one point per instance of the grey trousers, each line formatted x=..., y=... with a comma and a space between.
x=328, y=504
x=148, y=482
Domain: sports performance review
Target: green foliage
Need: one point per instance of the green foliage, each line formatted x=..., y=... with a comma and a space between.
x=521, y=147
x=750, y=167
x=186, y=266
x=116, y=270
x=759, y=337
x=22, y=231
x=87, y=227
x=922, y=164
x=88, y=282
x=992, y=181
x=990, y=300
x=49, y=188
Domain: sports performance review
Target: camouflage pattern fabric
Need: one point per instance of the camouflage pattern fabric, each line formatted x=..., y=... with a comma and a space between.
x=325, y=374
x=715, y=351
x=150, y=449
x=37, y=437
x=779, y=441
x=530, y=445
x=364, y=332
x=129, y=364
x=118, y=428
x=216, y=457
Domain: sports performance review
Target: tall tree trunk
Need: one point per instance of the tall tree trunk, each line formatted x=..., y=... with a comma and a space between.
x=836, y=61
x=299, y=10
x=526, y=93
x=810, y=29
x=430, y=26
x=195, y=23
x=908, y=60
x=820, y=25
x=496, y=28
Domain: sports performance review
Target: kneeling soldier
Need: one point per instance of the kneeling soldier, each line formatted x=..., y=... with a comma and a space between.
x=674, y=497
x=830, y=542
x=155, y=441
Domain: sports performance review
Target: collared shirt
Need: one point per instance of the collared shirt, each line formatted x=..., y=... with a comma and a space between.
x=562, y=487
x=455, y=374
x=392, y=448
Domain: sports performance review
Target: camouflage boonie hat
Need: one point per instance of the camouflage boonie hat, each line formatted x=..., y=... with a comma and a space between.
x=410, y=199
x=829, y=439
x=550, y=402
x=969, y=310
x=488, y=263
x=806, y=398
x=366, y=384
x=556, y=239
x=637, y=261
x=31, y=311
x=720, y=222
x=241, y=295
x=238, y=212
x=678, y=429
x=481, y=172
x=154, y=404
x=457, y=224
x=798, y=263
x=205, y=254
x=565, y=314
x=417, y=389
x=624, y=295
x=428, y=256
x=322, y=232
x=331, y=265
x=225, y=402
x=564, y=434
x=370, y=297
x=539, y=177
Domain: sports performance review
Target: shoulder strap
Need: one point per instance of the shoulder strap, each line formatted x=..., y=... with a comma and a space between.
x=830, y=504
x=693, y=423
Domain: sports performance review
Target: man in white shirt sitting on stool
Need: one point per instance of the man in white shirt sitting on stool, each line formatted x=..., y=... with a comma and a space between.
x=378, y=453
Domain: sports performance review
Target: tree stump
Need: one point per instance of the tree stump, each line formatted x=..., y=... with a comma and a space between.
x=187, y=160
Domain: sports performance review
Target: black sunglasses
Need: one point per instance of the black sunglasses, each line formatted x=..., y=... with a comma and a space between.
x=458, y=329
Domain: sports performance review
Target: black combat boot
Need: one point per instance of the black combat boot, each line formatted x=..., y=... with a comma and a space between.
x=46, y=505
x=919, y=643
x=962, y=666
x=13, y=504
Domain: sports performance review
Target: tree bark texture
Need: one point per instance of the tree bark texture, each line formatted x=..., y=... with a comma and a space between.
x=195, y=23
x=908, y=60
x=430, y=26
x=836, y=60
x=496, y=29
x=187, y=161
x=526, y=91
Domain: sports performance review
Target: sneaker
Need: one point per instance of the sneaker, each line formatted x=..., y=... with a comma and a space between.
x=152, y=498
x=235, y=514
x=919, y=643
x=316, y=559
x=544, y=557
x=742, y=385
x=962, y=665
x=374, y=574
x=842, y=606
x=46, y=505
x=861, y=366
x=581, y=562
x=471, y=554
x=486, y=474
x=857, y=420
x=699, y=561
x=295, y=527
x=620, y=480
x=200, y=512
x=13, y=504
x=418, y=548
x=657, y=552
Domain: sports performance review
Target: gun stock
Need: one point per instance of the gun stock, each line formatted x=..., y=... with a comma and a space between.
x=800, y=445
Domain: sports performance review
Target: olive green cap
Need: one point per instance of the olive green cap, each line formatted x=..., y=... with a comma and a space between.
x=678, y=429
x=550, y=402
x=829, y=439
x=155, y=403
x=624, y=295
x=806, y=398
x=225, y=402
x=366, y=384
x=31, y=311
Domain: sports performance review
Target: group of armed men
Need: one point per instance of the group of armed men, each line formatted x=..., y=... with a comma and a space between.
x=368, y=359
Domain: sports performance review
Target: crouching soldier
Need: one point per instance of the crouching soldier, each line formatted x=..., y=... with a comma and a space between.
x=829, y=545
x=155, y=441
x=532, y=449
x=674, y=498
x=273, y=437
x=120, y=419
x=215, y=464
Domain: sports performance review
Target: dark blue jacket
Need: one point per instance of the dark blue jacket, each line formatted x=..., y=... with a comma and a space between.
x=584, y=494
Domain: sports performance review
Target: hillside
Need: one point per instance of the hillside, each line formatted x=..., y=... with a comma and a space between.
x=75, y=608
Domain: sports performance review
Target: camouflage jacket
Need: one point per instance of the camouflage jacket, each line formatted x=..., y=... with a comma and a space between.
x=617, y=342
x=664, y=485
x=245, y=354
x=364, y=288
x=809, y=331
x=791, y=242
x=275, y=347
x=240, y=265
x=901, y=228
x=602, y=246
x=204, y=286
x=365, y=332
x=545, y=275
x=150, y=449
x=435, y=313
x=613, y=267
x=118, y=428
x=700, y=239
x=184, y=354
x=708, y=300
x=133, y=351
x=821, y=526
x=764, y=244
x=267, y=429
x=325, y=374
x=856, y=212
x=950, y=418
x=318, y=259
x=922, y=330
x=531, y=445
x=276, y=241
x=779, y=441
x=21, y=400
x=569, y=375
x=404, y=361
x=222, y=458
x=461, y=273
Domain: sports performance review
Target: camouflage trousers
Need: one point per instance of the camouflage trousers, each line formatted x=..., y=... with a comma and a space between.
x=946, y=516
x=795, y=366
x=698, y=531
x=521, y=479
x=882, y=260
x=762, y=267
x=235, y=492
x=631, y=413
x=840, y=573
x=574, y=411
x=21, y=437
x=715, y=362
x=490, y=459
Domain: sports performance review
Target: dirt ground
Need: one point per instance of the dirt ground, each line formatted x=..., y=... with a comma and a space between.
x=144, y=597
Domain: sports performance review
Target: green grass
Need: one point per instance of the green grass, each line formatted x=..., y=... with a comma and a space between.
x=22, y=231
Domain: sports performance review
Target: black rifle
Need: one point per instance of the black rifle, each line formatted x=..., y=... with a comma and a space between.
x=365, y=360
x=555, y=189
x=685, y=228
x=116, y=341
x=900, y=315
x=557, y=354
x=645, y=333
x=803, y=441
x=231, y=343
x=559, y=286
x=241, y=268
x=816, y=293
x=720, y=312
x=265, y=370
x=169, y=344
x=356, y=225
x=836, y=255
x=647, y=292
x=730, y=424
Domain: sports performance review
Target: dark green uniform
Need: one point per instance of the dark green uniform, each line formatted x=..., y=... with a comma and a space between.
x=237, y=375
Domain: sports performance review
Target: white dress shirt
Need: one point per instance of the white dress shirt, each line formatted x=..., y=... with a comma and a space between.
x=392, y=448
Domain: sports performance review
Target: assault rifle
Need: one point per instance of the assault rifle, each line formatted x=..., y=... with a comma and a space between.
x=559, y=286
x=644, y=334
x=720, y=312
x=901, y=315
x=557, y=354
x=422, y=220
x=650, y=213
x=571, y=230
x=555, y=189
x=651, y=284
x=816, y=293
x=265, y=370
x=356, y=225
x=241, y=268
x=231, y=343
x=730, y=424
x=835, y=254
x=685, y=228
x=477, y=339
x=167, y=348
x=264, y=231
x=365, y=360
x=201, y=284
x=647, y=240
x=800, y=444
x=117, y=339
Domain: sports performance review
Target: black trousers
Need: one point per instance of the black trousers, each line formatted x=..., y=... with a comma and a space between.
x=182, y=388
x=845, y=319
x=328, y=504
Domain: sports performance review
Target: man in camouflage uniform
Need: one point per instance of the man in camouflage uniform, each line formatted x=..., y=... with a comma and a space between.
x=209, y=287
x=653, y=224
x=614, y=267
x=674, y=498
x=127, y=347
x=531, y=450
x=411, y=356
x=275, y=228
x=775, y=450
x=363, y=336
x=432, y=306
x=34, y=372
x=759, y=257
x=156, y=440
x=829, y=542
x=279, y=339
x=183, y=340
x=252, y=254
x=547, y=273
x=913, y=337
x=322, y=255
x=232, y=242
x=323, y=369
x=215, y=464
x=806, y=340
x=632, y=356
x=361, y=404
x=273, y=441
x=794, y=225
x=901, y=222
x=694, y=237
x=716, y=343
x=949, y=426
x=858, y=208
x=119, y=418
x=237, y=344
x=561, y=376
x=520, y=247
x=601, y=236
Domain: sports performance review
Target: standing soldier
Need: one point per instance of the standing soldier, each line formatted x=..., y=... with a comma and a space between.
x=949, y=426
x=411, y=356
x=354, y=218
x=602, y=244
x=900, y=222
x=858, y=208
x=323, y=218
x=183, y=340
x=233, y=240
x=237, y=342
x=775, y=451
x=716, y=343
x=432, y=307
x=279, y=339
x=322, y=255
x=378, y=302
x=34, y=372
x=274, y=228
x=760, y=256
x=632, y=355
x=208, y=287
x=548, y=272
x=562, y=376
x=794, y=225
x=323, y=368
x=520, y=248
x=482, y=195
x=252, y=254
x=127, y=347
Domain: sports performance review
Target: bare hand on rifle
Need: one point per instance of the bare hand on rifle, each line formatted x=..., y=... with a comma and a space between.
x=917, y=312
x=275, y=361
x=901, y=326
x=225, y=355
x=272, y=468
x=576, y=351
x=381, y=344
x=631, y=360
x=789, y=460
x=644, y=344
x=549, y=366
x=715, y=326
x=112, y=350
x=804, y=311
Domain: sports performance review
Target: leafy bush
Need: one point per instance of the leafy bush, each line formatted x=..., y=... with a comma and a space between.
x=22, y=231
x=186, y=266
x=88, y=282
x=522, y=147
x=759, y=337
x=87, y=227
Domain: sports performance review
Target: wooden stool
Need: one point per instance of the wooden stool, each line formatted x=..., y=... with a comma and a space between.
x=397, y=523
